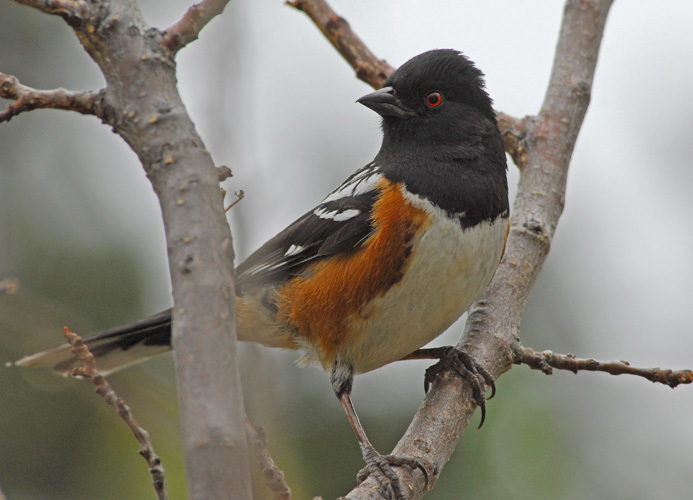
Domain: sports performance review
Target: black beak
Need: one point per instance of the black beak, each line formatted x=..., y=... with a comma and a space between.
x=385, y=103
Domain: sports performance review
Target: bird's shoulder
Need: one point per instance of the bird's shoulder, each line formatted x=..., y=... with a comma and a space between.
x=339, y=223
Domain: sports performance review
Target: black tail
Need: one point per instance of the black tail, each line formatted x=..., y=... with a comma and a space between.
x=114, y=349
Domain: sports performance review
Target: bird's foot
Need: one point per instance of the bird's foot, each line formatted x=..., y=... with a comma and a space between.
x=462, y=364
x=380, y=467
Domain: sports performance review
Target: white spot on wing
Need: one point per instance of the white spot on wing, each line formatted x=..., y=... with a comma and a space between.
x=294, y=250
x=361, y=183
x=336, y=215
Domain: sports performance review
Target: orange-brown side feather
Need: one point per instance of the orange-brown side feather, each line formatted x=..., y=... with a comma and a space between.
x=317, y=303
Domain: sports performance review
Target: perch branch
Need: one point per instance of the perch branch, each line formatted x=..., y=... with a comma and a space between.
x=87, y=369
x=547, y=360
x=26, y=98
x=273, y=475
x=188, y=28
x=336, y=29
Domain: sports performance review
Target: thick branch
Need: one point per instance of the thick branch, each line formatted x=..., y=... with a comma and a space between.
x=188, y=28
x=87, y=369
x=368, y=68
x=547, y=360
x=142, y=104
x=27, y=98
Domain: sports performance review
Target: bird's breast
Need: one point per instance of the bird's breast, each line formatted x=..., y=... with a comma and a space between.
x=448, y=269
x=406, y=286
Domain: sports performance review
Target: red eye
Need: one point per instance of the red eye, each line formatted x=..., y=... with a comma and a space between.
x=434, y=99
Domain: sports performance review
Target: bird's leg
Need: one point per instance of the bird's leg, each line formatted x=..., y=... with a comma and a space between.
x=376, y=464
x=459, y=362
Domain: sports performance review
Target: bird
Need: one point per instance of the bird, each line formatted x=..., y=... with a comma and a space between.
x=385, y=263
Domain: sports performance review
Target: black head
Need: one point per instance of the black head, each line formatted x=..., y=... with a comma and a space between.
x=438, y=119
x=440, y=89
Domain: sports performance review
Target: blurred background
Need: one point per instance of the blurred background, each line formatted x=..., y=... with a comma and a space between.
x=80, y=228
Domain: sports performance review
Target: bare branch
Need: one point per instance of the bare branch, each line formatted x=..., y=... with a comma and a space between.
x=368, y=68
x=69, y=9
x=142, y=104
x=104, y=389
x=547, y=360
x=188, y=28
x=224, y=173
x=27, y=99
x=513, y=131
x=273, y=475
x=239, y=196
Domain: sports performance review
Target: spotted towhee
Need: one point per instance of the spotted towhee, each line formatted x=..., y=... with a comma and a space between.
x=387, y=261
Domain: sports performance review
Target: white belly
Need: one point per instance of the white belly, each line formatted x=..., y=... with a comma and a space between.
x=448, y=271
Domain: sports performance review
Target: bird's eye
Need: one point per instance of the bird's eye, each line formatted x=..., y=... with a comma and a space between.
x=434, y=99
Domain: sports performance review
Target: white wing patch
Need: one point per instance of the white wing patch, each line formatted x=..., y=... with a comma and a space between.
x=294, y=250
x=362, y=182
x=336, y=215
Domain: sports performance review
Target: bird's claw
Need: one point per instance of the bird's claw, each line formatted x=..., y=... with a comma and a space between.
x=462, y=364
x=380, y=467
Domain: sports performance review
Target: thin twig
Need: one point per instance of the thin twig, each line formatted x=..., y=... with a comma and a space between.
x=273, y=475
x=239, y=196
x=546, y=360
x=104, y=389
x=188, y=28
x=336, y=29
x=27, y=98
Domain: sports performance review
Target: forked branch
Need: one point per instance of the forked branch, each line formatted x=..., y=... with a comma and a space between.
x=336, y=29
x=188, y=28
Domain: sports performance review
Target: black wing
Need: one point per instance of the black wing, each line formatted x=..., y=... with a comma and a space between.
x=339, y=224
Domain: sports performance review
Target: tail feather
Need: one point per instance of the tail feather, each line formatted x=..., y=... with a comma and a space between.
x=114, y=349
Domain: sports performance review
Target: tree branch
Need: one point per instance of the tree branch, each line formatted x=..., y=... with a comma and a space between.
x=514, y=131
x=274, y=477
x=336, y=29
x=547, y=360
x=87, y=369
x=188, y=28
x=27, y=99
x=142, y=104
